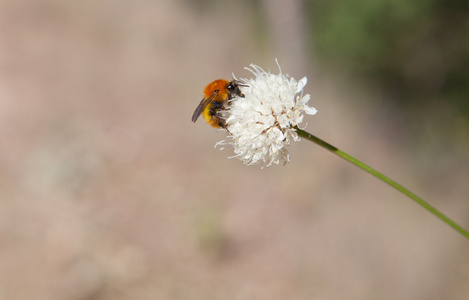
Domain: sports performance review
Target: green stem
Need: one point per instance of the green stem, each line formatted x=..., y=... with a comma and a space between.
x=384, y=178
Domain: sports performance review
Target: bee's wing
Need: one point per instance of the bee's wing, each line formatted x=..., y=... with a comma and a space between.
x=203, y=104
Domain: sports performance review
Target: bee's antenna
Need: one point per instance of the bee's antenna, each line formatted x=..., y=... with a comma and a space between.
x=240, y=83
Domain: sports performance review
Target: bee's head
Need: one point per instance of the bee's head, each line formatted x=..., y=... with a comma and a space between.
x=233, y=89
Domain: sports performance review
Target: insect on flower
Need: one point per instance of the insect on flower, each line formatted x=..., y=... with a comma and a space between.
x=261, y=114
x=215, y=101
x=262, y=125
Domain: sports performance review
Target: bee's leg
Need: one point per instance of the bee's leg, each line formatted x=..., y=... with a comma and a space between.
x=215, y=113
x=222, y=123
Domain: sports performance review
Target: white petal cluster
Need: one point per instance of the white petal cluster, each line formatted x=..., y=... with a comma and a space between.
x=260, y=125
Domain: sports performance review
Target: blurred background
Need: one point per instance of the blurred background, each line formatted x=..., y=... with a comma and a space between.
x=108, y=191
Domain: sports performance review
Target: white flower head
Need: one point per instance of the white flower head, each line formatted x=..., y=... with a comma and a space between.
x=261, y=124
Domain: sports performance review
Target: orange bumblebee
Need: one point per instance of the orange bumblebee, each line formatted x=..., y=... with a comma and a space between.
x=216, y=96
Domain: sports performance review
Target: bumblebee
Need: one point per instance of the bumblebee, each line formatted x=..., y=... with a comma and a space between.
x=215, y=101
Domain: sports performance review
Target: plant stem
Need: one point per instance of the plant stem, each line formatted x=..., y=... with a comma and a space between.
x=384, y=178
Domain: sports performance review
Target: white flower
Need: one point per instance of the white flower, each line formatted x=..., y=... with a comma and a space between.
x=261, y=124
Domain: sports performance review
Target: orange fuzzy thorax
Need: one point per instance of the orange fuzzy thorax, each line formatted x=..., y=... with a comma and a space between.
x=220, y=85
